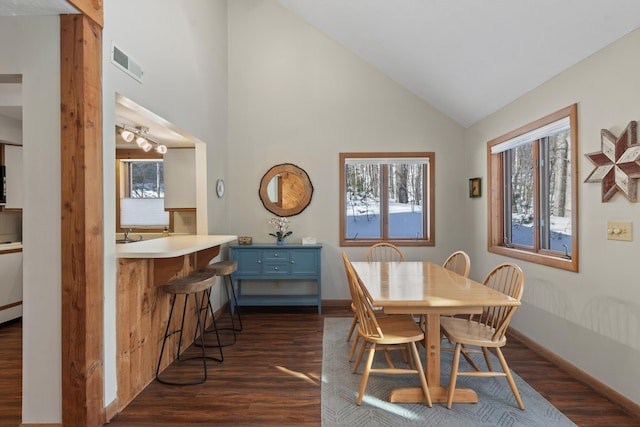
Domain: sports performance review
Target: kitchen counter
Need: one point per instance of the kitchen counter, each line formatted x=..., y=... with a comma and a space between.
x=13, y=247
x=172, y=246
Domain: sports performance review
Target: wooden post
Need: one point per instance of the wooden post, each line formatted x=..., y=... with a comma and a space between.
x=82, y=228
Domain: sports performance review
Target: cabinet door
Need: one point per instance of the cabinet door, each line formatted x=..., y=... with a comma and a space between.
x=304, y=262
x=180, y=178
x=13, y=162
x=249, y=262
x=10, y=285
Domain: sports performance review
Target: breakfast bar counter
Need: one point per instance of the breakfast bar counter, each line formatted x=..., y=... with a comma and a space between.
x=142, y=309
x=172, y=246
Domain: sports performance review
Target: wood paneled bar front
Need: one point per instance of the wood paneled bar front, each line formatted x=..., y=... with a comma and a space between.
x=142, y=310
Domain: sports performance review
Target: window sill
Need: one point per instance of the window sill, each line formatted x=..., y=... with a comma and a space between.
x=543, y=259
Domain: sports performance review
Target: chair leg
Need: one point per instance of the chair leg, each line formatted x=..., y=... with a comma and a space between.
x=353, y=347
x=423, y=379
x=469, y=359
x=166, y=335
x=203, y=355
x=352, y=327
x=229, y=287
x=206, y=306
x=487, y=357
x=365, y=374
x=200, y=328
x=454, y=374
x=512, y=383
x=359, y=357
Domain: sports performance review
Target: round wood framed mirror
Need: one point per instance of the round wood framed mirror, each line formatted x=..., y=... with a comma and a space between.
x=285, y=190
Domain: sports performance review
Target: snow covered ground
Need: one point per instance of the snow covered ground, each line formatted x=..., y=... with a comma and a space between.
x=405, y=221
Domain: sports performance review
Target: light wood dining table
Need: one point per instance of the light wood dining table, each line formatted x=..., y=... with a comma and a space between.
x=427, y=288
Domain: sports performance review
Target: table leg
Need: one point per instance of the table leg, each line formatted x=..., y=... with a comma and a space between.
x=432, y=371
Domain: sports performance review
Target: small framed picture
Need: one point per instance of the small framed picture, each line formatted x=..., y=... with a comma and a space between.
x=475, y=187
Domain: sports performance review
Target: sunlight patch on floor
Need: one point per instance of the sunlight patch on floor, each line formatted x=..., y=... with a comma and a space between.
x=300, y=375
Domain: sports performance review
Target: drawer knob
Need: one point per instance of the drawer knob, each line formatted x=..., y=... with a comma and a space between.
x=275, y=255
x=275, y=268
x=292, y=261
x=259, y=261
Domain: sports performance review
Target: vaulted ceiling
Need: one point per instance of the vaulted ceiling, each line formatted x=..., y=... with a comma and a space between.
x=469, y=58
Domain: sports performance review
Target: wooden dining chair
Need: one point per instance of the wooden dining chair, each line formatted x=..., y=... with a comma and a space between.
x=383, y=333
x=378, y=252
x=384, y=252
x=486, y=330
x=458, y=262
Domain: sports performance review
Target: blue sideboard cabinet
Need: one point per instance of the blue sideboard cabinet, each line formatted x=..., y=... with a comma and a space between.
x=277, y=262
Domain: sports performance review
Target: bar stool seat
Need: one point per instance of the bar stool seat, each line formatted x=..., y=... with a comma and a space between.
x=225, y=269
x=200, y=281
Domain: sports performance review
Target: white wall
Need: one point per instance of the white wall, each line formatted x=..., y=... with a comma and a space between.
x=590, y=318
x=182, y=48
x=37, y=58
x=296, y=96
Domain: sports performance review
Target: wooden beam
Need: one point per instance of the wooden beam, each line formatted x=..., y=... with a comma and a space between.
x=81, y=222
x=90, y=8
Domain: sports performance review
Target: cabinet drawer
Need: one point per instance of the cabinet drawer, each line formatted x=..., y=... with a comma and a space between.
x=275, y=268
x=275, y=255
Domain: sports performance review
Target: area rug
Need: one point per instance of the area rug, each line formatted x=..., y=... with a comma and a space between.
x=496, y=405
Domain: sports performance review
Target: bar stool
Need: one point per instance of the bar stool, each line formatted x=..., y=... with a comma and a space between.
x=225, y=269
x=200, y=281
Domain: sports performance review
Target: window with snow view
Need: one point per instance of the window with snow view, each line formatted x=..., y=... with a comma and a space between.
x=387, y=197
x=142, y=201
x=533, y=191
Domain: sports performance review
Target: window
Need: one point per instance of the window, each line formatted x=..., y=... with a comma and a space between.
x=142, y=195
x=387, y=197
x=533, y=206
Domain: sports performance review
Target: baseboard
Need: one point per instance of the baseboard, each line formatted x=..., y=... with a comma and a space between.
x=337, y=303
x=599, y=387
x=40, y=425
x=111, y=410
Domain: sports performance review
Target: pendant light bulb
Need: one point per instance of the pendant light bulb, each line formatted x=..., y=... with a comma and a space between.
x=141, y=141
x=146, y=146
x=162, y=149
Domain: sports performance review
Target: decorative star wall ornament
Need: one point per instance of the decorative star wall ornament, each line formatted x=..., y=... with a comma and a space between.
x=618, y=164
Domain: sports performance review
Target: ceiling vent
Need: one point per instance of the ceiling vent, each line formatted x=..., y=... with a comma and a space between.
x=125, y=63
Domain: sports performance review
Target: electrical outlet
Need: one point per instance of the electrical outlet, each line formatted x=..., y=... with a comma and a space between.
x=619, y=230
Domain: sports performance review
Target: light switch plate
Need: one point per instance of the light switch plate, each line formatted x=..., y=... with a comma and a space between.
x=619, y=230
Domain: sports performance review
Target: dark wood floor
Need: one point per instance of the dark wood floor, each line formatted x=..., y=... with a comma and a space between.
x=271, y=376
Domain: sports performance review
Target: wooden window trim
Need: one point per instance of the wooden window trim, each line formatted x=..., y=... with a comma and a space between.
x=429, y=215
x=495, y=201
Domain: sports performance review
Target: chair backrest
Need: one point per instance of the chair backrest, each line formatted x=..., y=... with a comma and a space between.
x=458, y=262
x=383, y=252
x=367, y=322
x=507, y=278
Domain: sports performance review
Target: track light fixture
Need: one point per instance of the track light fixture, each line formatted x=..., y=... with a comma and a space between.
x=142, y=140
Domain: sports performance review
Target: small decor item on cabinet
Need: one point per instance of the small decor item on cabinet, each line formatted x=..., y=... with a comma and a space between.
x=245, y=240
x=165, y=232
x=309, y=241
x=282, y=225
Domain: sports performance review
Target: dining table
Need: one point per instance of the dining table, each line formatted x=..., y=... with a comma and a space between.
x=426, y=288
